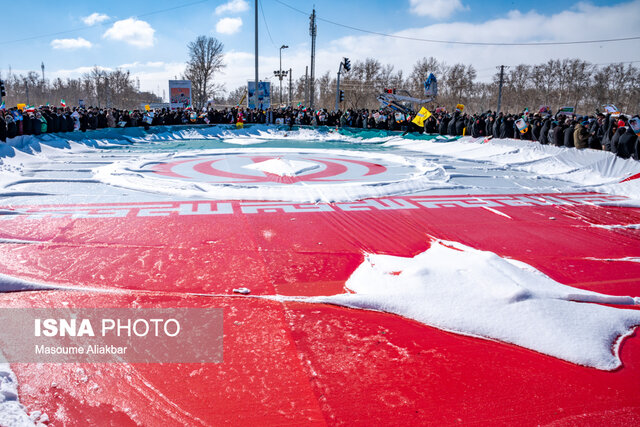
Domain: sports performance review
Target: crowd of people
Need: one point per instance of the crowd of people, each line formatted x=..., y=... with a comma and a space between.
x=599, y=131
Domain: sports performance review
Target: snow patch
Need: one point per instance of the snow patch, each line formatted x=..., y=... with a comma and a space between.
x=12, y=412
x=135, y=174
x=283, y=167
x=472, y=292
x=595, y=170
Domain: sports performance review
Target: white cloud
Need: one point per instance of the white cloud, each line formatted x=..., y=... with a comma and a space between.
x=95, y=18
x=77, y=72
x=148, y=64
x=70, y=43
x=131, y=31
x=438, y=9
x=232, y=6
x=584, y=22
x=229, y=25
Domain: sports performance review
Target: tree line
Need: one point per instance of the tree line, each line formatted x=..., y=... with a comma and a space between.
x=556, y=83
x=99, y=88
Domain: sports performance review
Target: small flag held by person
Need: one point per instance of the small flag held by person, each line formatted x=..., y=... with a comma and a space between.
x=63, y=103
x=422, y=115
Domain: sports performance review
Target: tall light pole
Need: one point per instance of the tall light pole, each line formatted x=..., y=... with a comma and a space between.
x=280, y=74
x=256, y=59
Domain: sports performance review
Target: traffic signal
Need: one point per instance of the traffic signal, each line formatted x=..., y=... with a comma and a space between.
x=346, y=64
x=341, y=95
x=2, y=91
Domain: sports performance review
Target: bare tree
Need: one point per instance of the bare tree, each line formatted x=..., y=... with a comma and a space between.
x=205, y=59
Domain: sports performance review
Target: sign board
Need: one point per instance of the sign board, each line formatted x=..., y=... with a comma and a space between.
x=179, y=94
x=155, y=105
x=634, y=123
x=263, y=96
x=567, y=110
x=81, y=103
x=522, y=125
x=611, y=109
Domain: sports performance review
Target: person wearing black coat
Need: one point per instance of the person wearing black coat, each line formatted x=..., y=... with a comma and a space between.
x=615, y=139
x=102, y=120
x=536, y=130
x=27, y=127
x=479, y=127
x=53, y=124
x=12, y=128
x=430, y=126
x=3, y=129
x=496, y=125
x=36, y=125
x=627, y=143
x=506, y=127
x=451, y=129
x=460, y=126
x=489, y=125
x=568, y=135
x=544, y=132
x=84, y=122
x=444, y=124
x=70, y=122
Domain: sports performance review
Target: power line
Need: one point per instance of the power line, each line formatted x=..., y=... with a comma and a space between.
x=102, y=24
x=459, y=42
x=267, y=25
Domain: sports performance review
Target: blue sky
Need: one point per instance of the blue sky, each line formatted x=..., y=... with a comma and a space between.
x=151, y=41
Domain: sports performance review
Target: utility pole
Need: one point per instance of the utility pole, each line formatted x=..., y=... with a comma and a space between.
x=279, y=72
x=338, y=89
x=290, y=88
x=42, y=67
x=255, y=93
x=500, y=88
x=313, y=29
x=306, y=86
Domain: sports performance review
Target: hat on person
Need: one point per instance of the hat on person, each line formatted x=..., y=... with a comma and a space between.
x=620, y=123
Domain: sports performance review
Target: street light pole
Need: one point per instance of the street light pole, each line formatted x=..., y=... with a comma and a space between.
x=280, y=74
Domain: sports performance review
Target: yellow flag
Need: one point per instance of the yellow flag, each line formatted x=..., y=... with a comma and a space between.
x=422, y=115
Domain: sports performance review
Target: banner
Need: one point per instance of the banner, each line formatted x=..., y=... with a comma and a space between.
x=431, y=86
x=460, y=107
x=611, y=109
x=420, y=118
x=263, y=95
x=522, y=125
x=567, y=110
x=179, y=93
x=634, y=124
